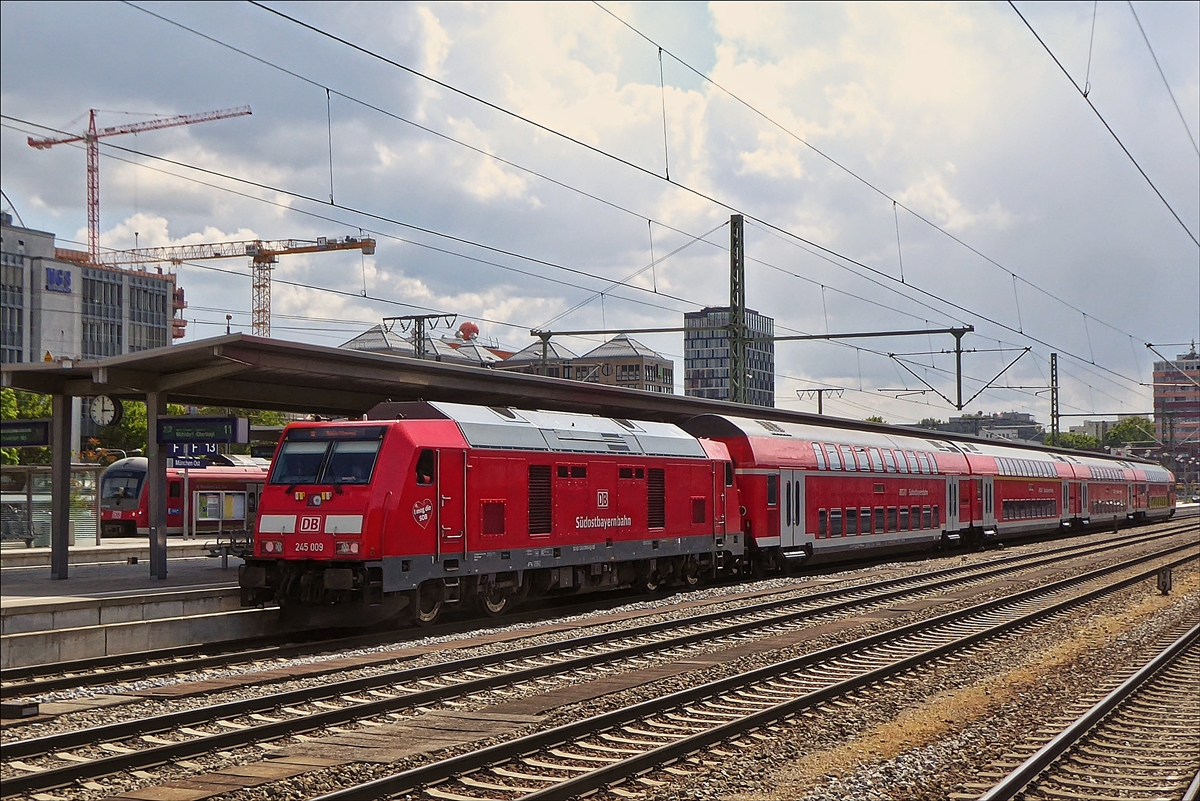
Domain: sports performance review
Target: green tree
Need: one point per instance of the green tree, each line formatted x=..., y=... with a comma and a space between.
x=930, y=422
x=1131, y=429
x=875, y=419
x=1068, y=439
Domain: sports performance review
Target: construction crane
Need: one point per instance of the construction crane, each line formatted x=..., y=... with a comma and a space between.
x=91, y=136
x=263, y=254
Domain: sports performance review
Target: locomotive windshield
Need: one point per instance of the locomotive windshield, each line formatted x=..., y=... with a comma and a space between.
x=306, y=458
x=116, y=486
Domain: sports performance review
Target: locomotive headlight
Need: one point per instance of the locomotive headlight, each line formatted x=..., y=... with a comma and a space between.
x=272, y=546
x=347, y=547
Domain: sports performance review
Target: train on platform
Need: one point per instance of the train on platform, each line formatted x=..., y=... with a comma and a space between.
x=423, y=505
x=219, y=500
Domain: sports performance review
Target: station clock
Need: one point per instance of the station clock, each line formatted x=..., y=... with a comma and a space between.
x=105, y=411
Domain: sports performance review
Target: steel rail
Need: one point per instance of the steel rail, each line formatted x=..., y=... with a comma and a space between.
x=873, y=593
x=53, y=777
x=441, y=771
x=1016, y=781
x=93, y=672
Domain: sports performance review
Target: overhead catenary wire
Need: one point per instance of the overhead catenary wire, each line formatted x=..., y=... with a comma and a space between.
x=1162, y=75
x=1107, y=127
x=792, y=134
x=420, y=244
x=1065, y=352
x=479, y=151
x=648, y=172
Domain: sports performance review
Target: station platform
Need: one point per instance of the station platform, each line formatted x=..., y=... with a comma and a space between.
x=108, y=605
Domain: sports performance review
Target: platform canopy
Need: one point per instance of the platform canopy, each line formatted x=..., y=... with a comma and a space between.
x=244, y=371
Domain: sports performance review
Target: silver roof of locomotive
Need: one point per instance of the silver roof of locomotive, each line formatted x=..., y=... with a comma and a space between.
x=518, y=429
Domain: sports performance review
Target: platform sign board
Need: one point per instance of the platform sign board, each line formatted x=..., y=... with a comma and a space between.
x=191, y=429
x=188, y=462
x=24, y=433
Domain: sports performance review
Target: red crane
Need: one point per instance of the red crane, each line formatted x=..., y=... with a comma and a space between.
x=93, y=154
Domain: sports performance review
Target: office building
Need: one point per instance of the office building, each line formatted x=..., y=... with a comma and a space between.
x=1177, y=405
x=706, y=356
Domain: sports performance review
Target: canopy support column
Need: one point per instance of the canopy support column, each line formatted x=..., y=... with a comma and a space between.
x=156, y=479
x=60, y=485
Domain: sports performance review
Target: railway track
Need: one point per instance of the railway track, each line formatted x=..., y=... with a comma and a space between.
x=1139, y=742
x=620, y=747
x=37, y=680
x=46, y=762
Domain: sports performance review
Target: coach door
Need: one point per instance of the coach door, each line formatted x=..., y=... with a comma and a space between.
x=791, y=509
x=951, y=505
x=989, y=511
x=451, y=505
x=1075, y=493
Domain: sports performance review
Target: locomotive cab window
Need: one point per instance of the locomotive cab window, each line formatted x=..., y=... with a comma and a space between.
x=175, y=489
x=121, y=485
x=327, y=456
x=351, y=462
x=424, y=470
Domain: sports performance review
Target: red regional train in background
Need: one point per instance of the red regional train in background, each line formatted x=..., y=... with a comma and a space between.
x=221, y=497
x=427, y=504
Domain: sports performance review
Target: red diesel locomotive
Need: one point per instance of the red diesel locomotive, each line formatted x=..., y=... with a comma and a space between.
x=436, y=503
x=444, y=503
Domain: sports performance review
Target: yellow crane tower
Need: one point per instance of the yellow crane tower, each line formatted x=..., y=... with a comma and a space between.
x=263, y=254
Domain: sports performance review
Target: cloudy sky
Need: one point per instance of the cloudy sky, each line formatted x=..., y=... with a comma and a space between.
x=900, y=166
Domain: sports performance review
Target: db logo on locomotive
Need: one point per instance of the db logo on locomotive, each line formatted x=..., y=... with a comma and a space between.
x=310, y=525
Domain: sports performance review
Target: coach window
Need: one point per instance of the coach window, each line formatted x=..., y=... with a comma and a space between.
x=916, y=518
x=847, y=457
x=913, y=467
x=175, y=490
x=937, y=516
x=892, y=525
x=820, y=454
x=851, y=521
x=876, y=460
x=926, y=517
x=425, y=468
x=889, y=460
x=835, y=522
x=772, y=490
x=835, y=461
x=903, y=518
x=864, y=514
x=901, y=463
x=879, y=520
x=822, y=522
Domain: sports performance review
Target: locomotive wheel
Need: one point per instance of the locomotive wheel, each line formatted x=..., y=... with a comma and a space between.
x=494, y=602
x=692, y=577
x=651, y=584
x=428, y=603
